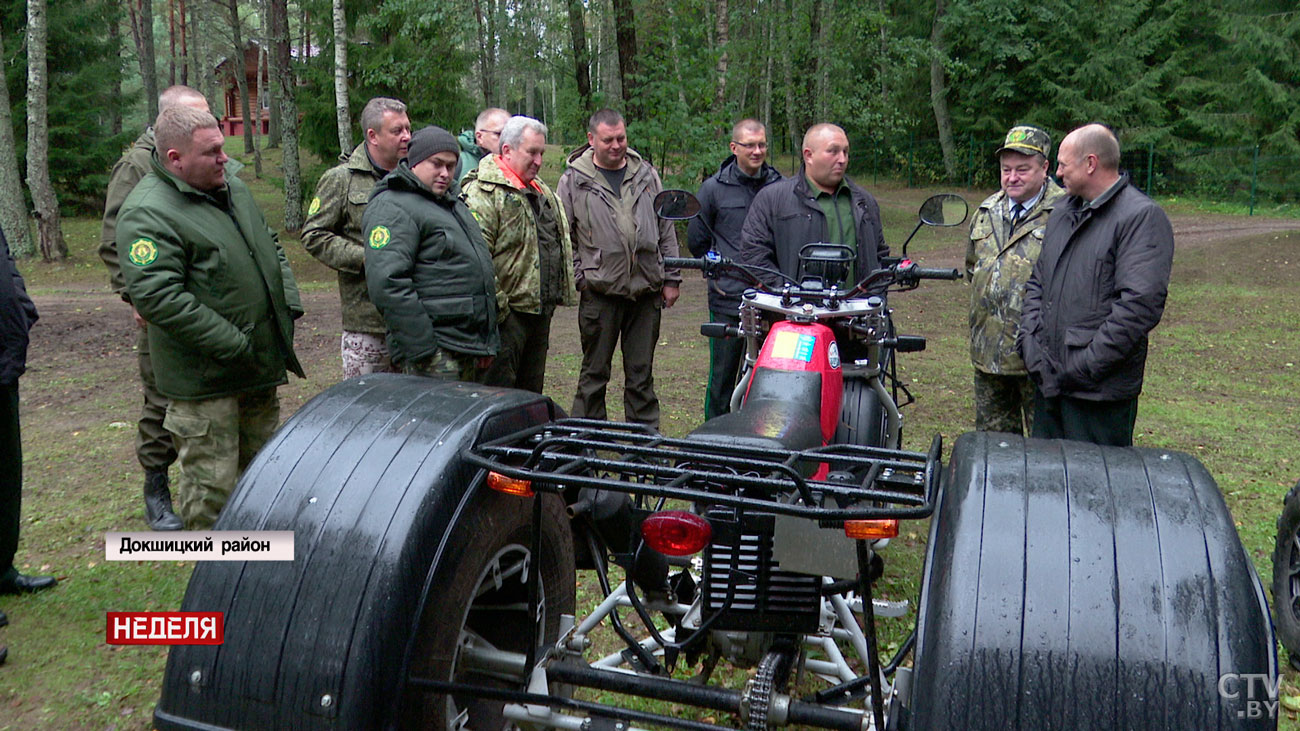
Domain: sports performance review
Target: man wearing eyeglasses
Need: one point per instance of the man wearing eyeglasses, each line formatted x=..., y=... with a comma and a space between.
x=724, y=201
x=483, y=141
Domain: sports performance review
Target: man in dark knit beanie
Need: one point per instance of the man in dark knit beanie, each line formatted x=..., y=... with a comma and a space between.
x=427, y=268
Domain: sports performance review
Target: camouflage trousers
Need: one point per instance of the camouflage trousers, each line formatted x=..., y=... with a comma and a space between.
x=1004, y=403
x=363, y=354
x=216, y=439
x=446, y=365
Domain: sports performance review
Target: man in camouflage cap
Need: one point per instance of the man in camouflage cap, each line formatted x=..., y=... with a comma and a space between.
x=1006, y=236
x=332, y=231
x=527, y=232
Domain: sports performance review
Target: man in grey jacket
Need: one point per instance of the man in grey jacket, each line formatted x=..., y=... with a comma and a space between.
x=1098, y=288
x=817, y=204
x=619, y=245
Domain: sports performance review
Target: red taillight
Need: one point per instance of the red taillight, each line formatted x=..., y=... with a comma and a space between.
x=509, y=485
x=871, y=529
x=676, y=532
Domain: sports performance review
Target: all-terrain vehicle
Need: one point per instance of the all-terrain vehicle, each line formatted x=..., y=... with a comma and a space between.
x=439, y=529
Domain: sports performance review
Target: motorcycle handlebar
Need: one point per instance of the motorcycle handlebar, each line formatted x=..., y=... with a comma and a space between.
x=683, y=262
x=927, y=273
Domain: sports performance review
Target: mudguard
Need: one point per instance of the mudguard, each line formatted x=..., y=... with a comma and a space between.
x=367, y=475
x=1070, y=585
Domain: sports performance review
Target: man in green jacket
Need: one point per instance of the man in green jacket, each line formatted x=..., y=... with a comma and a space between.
x=483, y=140
x=527, y=232
x=207, y=274
x=619, y=247
x=332, y=231
x=428, y=270
x=1006, y=236
x=153, y=443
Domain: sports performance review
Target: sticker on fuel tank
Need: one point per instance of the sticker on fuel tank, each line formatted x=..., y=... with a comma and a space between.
x=833, y=355
x=793, y=346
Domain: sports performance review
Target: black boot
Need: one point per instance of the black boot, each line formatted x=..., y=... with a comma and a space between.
x=158, y=502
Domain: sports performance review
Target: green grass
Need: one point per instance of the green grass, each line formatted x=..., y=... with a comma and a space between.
x=1223, y=383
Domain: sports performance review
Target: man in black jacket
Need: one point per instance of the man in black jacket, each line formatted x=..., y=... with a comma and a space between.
x=724, y=201
x=17, y=315
x=1098, y=288
x=818, y=204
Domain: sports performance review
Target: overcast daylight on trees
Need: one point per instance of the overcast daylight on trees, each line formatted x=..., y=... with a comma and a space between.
x=1176, y=76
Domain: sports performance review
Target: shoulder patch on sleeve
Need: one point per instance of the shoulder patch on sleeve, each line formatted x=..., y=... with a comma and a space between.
x=314, y=208
x=379, y=237
x=142, y=252
x=477, y=217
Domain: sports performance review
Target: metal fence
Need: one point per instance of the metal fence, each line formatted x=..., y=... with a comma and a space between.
x=1250, y=176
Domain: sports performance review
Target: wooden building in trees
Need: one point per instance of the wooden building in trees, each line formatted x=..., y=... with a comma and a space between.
x=232, y=120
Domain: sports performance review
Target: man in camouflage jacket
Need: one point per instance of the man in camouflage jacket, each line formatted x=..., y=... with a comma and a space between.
x=332, y=231
x=1006, y=236
x=525, y=228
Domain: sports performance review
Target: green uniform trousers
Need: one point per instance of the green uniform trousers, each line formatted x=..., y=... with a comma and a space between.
x=603, y=323
x=153, y=443
x=216, y=439
x=521, y=362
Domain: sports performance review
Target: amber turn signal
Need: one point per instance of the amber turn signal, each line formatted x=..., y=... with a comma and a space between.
x=509, y=485
x=871, y=530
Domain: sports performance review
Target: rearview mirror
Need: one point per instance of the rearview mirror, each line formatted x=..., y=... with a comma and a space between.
x=676, y=205
x=944, y=209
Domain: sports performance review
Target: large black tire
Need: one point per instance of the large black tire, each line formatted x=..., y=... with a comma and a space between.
x=1070, y=585
x=1286, y=575
x=369, y=476
x=863, y=420
x=491, y=538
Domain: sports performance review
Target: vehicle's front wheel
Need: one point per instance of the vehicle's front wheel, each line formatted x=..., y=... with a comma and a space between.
x=1286, y=575
x=475, y=626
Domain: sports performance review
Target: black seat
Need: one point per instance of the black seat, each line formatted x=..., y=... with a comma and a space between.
x=764, y=423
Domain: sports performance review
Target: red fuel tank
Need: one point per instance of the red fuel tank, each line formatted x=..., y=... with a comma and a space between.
x=795, y=359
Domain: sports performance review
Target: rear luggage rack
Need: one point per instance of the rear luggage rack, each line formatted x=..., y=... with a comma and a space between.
x=859, y=483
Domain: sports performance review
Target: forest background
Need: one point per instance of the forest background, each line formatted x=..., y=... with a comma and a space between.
x=1203, y=93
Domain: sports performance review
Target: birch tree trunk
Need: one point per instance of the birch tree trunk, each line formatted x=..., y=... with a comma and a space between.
x=342, y=111
x=720, y=98
x=273, y=132
x=766, y=114
x=38, y=136
x=581, y=57
x=939, y=92
x=288, y=115
x=13, y=208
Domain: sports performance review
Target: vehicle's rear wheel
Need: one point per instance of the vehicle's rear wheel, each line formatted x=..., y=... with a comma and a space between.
x=1072, y=585
x=475, y=609
x=1286, y=575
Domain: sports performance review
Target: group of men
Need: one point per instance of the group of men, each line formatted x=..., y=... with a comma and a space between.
x=452, y=256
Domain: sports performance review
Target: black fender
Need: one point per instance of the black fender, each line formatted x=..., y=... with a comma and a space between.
x=368, y=475
x=1070, y=585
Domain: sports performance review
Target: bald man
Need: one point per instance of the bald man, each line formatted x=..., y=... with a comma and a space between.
x=1098, y=288
x=817, y=204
